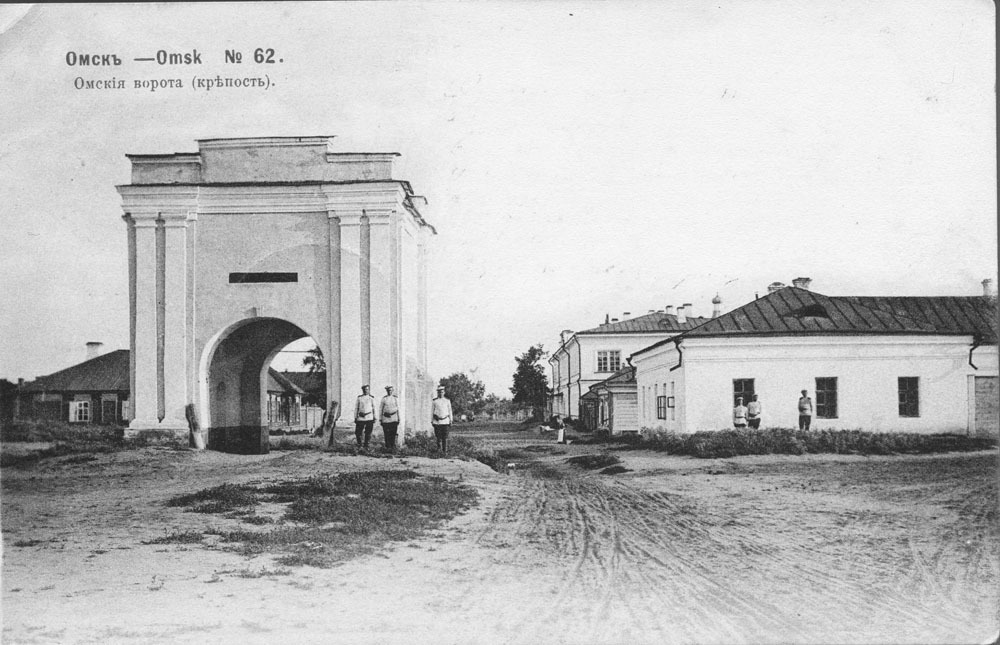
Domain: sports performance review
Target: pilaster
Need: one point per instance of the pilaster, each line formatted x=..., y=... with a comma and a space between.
x=175, y=319
x=144, y=351
x=334, y=360
x=351, y=330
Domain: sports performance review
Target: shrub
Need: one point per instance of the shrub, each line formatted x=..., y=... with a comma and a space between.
x=593, y=462
x=790, y=441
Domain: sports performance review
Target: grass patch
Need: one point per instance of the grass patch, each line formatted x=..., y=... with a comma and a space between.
x=329, y=518
x=220, y=499
x=80, y=441
x=31, y=542
x=593, y=462
x=789, y=441
x=615, y=470
x=186, y=537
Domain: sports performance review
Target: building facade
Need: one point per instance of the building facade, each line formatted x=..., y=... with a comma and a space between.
x=92, y=392
x=587, y=357
x=922, y=364
x=246, y=245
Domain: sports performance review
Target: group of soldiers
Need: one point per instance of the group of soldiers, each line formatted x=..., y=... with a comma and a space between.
x=748, y=416
x=388, y=414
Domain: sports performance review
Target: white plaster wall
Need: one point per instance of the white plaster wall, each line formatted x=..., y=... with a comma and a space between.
x=246, y=243
x=653, y=378
x=866, y=368
x=625, y=413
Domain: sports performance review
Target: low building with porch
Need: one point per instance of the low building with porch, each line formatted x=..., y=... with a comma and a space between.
x=617, y=403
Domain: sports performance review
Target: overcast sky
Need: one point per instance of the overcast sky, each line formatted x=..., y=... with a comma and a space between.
x=579, y=158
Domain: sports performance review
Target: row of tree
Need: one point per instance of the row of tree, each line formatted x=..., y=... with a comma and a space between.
x=529, y=389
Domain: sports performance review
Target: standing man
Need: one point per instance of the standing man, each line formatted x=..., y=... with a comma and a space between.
x=740, y=414
x=441, y=409
x=753, y=413
x=364, y=417
x=389, y=416
x=805, y=410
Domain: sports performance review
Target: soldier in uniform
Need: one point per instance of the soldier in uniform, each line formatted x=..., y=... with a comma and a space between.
x=441, y=410
x=364, y=417
x=805, y=410
x=753, y=412
x=740, y=414
x=389, y=417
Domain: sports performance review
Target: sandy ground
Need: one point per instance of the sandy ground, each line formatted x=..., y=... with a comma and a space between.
x=816, y=549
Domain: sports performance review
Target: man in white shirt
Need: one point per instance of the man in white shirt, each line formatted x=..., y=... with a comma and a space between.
x=740, y=414
x=389, y=416
x=805, y=410
x=441, y=409
x=364, y=417
x=754, y=411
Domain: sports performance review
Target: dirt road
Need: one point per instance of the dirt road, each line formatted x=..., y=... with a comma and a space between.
x=765, y=549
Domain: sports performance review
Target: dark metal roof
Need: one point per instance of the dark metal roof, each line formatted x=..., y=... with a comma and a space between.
x=105, y=373
x=954, y=314
x=796, y=311
x=277, y=382
x=624, y=376
x=313, y=382
x=649, y=323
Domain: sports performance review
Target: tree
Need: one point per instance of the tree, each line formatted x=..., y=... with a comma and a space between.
x=531, y=385
x=314, y=361
x=466, y=395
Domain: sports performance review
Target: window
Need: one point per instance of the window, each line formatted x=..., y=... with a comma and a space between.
x=661, y=407
x=909, y=396
x=742, y=388
x=826, y=397
x=609, y=360
x=79, y=411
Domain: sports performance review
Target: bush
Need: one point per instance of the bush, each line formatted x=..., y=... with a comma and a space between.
x=593, y=462
x=789, y=441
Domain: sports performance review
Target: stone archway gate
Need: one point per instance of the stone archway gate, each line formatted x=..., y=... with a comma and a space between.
x=272, y=229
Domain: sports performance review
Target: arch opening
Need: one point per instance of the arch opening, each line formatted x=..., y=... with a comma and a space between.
x=246, y=398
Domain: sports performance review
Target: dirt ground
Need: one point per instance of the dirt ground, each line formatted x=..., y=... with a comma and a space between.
x=777, y=549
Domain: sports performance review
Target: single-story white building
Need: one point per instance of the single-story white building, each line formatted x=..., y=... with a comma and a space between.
x=912, y=364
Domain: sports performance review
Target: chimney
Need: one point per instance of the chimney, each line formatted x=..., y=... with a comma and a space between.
x=774, y=286
x=681, y=316
x=669, y=310
x=988, y=290
x=802, y=283
x=688, y=310
x=563, y=335
x=94, y=349
x=716, y=306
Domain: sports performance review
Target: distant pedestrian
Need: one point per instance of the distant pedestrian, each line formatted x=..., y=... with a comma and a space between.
x=364, y=417
x=805, y=410
x=753, y=413
x=740, y=414
x=441, y=411
x=389, y=416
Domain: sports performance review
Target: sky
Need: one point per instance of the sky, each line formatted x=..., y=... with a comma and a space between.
x=579, y=158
